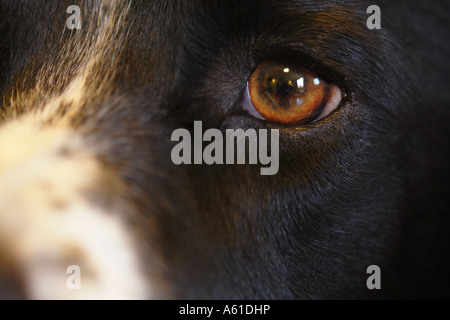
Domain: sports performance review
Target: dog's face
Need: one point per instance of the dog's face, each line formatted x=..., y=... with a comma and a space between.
x=87, y=179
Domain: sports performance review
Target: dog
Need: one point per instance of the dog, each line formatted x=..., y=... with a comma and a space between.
x=93, y=207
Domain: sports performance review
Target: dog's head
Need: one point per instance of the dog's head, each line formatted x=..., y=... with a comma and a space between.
x=88, y=183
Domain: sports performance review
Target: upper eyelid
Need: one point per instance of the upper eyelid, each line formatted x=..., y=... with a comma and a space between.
x=294, y=56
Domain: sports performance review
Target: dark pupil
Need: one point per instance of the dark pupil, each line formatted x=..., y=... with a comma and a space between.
x=281, y=87
x=284, y=88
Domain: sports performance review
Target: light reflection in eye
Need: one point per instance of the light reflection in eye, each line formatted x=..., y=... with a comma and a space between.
x=289, y=94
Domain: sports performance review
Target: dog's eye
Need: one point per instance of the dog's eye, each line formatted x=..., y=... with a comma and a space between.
x=289, y=94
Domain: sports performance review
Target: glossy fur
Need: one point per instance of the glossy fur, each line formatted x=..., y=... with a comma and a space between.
x=366, y=185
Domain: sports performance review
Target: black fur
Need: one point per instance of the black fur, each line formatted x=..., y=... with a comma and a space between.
x=366, y=185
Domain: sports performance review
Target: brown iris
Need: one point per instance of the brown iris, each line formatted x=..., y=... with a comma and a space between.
x=287, y=94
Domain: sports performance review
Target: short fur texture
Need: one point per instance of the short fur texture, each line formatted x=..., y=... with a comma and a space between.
x=366, y=185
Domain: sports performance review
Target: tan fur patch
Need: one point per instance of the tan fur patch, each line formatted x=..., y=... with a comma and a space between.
x=46, y=169
x=48, y=223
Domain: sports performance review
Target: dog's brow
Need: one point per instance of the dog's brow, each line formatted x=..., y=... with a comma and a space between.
x=332, y=35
